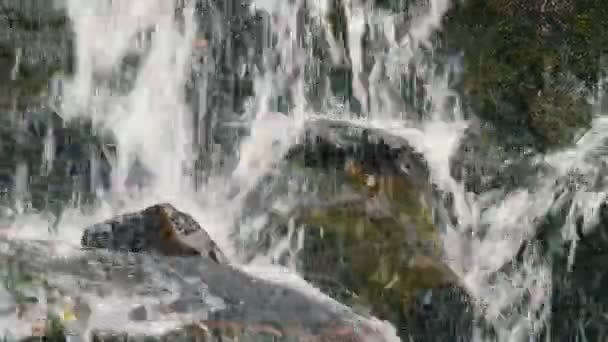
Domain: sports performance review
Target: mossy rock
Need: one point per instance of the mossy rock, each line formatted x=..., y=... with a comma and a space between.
x=369, y=236
x=384, y=261
x=366, y=215
x=525, y=75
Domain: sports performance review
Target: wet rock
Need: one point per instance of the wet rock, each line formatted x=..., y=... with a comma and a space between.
x=160, y=228
x=441, y=314
x=60, y=159
x=217, y=297
x=35, y=44
x=232, y=331
x=580, y=280
x=138, y=314
x=384, y=249
x=363, y=203
x=484, y=163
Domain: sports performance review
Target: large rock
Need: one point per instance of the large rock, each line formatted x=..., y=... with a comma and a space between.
x=364, y=205
x=160, y=228
x=168, y=289
x=175, y=281
x=68, y=165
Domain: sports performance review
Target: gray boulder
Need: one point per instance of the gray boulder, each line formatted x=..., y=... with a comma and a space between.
x=159, y=267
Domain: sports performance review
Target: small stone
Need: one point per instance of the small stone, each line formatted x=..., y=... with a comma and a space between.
x=160, y=228
x=138, y=314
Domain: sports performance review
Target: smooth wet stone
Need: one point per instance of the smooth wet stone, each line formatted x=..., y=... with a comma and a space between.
x=217, y=296
x=160, y=228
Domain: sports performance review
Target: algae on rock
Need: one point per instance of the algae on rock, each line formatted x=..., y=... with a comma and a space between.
x=529, y=75
x=369, y=235
x=384, y=257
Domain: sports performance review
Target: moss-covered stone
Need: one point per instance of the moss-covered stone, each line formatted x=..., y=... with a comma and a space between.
x=369, y=236
x=524, y=75
x=384, y=260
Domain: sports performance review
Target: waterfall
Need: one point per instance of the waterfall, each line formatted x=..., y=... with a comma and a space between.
x=148, y=73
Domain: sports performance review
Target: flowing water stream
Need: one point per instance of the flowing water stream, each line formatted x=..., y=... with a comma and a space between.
x=151, y=124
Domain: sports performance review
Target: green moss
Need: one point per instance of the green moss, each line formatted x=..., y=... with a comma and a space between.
x=555, y=113
x=514, y=68
x=383, y=262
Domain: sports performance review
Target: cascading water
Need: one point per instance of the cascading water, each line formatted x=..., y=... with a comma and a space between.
x=144, y=112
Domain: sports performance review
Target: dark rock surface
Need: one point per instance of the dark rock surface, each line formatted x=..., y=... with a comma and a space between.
x=579, y=292
x=35, y=42
x=484, y=164
x=58, y=160
x=160, y=228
